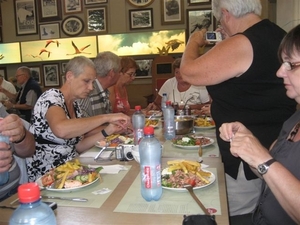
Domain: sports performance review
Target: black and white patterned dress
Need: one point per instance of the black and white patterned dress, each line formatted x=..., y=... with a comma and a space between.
x=51, y=151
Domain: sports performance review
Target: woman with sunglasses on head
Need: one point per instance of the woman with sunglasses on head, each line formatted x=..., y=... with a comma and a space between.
x=280, y=199
x=118, y=93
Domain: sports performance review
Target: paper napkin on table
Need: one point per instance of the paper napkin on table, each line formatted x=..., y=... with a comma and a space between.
x=104, y=154
x=111, y=169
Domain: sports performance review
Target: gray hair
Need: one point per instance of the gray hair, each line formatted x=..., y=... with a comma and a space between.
x=77, y=65
x=237, y=8
x=25, y=69
x=106, y=61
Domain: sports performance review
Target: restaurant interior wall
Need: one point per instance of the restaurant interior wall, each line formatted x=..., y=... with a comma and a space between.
x=117, y=22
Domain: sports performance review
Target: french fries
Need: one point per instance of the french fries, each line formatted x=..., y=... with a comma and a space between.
x=189, y=166
x=151, y=123
x=112, y=137
x=204, y=122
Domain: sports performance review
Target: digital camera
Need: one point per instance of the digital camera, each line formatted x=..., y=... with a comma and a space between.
x=124, y=152
x=213, y=36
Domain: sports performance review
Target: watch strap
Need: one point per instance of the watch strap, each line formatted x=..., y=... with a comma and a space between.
x=270, y=161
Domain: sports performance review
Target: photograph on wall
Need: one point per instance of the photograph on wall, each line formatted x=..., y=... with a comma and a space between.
x=49, y=31
x=144, y=67
x=36, y=73
x=141, y=19
x=143, y=43
x=49, y=10
x=72, y=6
x=96, y=20
x=198, y=19
x=172, y=12
x=51, y=75
x=25, y=17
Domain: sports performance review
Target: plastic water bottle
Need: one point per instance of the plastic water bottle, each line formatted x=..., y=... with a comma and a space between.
x=4, y=176
x=150, y=163
x=164, y=100
x=138, y=123
x=31, y=209
x=169, y=122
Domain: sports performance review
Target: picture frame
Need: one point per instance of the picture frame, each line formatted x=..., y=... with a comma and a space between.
x=72, y=26
x=36, y=74
x=96, y=20
x=172, y=12
x=72, y=6
x=63, y=67
x=25, y=17
x=141, y=18
x=3, y=72
x=199, y=2
x=49, y=31
x=92, y=2
x=49, y=10
x=51, y=75
x=199, y=18
x=1, y=38
x=145, y=66
x=140, y=3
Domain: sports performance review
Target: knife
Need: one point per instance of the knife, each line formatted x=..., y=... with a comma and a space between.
x=75, y=199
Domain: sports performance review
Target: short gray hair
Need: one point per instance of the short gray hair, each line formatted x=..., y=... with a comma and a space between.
x=237, y=8
x=25, y=69
x=77, y=65
x=106, y=61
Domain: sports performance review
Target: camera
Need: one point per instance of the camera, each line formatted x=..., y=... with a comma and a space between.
x=124, y=152
x=213, y=36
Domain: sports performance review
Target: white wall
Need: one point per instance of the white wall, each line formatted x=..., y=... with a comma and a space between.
x=288, y=13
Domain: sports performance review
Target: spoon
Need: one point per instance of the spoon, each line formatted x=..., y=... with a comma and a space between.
x=191, y=191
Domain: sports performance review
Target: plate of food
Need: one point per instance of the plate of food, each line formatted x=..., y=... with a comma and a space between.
x=152, y=123
x=204, y=123
x=154, y=114
x=190, y=142
x=114, y=140
x=68, y=177
x=185, y=172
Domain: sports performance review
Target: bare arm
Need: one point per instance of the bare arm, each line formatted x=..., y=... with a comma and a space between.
x=69, y=128
x=224, y=61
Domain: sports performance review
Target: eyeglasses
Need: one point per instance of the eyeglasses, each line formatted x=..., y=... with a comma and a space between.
x=290, y=66
x=131, y=74
x=19, y=75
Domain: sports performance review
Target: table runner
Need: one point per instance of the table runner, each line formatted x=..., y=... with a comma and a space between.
x=171, y=202
x=109, y=181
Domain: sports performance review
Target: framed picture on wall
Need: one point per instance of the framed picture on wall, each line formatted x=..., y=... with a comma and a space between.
x=51, y=75
x=90, y=2
x=63, y=67
x=199, y=2
x=96, y=20
x=25, y=17
x=172, y=12
x=3, y=72
x=72, y=26
x=144, y=67
x=36, y=73
x=72, y=6
x=49, y=10
x=139, y=3
x=49, y=31
x=198, y=19
x=141, y=18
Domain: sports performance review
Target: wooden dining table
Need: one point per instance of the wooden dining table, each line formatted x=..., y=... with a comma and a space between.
x=107, y=214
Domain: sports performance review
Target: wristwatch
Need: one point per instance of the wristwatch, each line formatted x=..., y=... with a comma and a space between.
x=264, y=167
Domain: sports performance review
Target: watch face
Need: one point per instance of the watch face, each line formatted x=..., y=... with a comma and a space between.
x=262, y=169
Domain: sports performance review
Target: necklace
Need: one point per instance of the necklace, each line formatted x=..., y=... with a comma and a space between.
x=294, y=132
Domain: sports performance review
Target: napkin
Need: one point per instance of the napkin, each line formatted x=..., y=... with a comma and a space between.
x=111, y=169
x=104, y=154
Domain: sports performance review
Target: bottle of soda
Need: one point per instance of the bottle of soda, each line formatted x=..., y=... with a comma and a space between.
x=4, y=176
x=150, y=164
x=138, y=123
x=31, y=209
x=164, y=100
x=169, y=122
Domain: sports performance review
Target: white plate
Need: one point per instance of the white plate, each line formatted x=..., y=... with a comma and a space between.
x=39, y=182
x=108, y=148
x=209, y=127
x=211, y=180
x=195, y=146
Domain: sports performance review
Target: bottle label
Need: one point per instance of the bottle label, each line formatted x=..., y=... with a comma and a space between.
x=138, y=134
x=147, y=178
